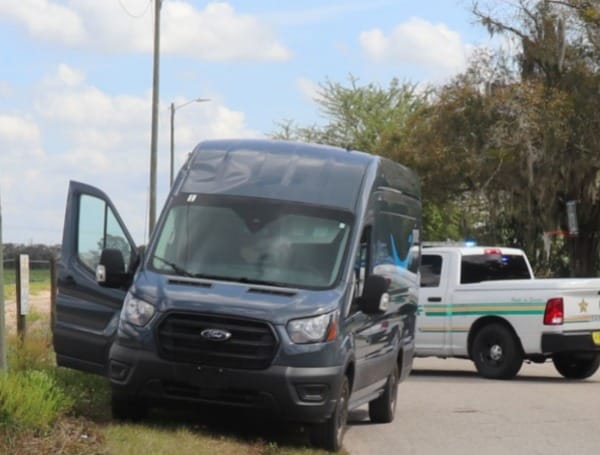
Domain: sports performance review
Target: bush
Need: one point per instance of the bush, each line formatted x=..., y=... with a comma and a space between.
x=31, y=400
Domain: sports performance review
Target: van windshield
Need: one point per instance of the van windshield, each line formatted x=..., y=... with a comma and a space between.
x=252, y=241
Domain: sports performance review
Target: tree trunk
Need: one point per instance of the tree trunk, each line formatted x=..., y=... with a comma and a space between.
x=584, y=252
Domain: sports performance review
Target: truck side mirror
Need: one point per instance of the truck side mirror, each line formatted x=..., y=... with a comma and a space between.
x=110, y=272
x=375, y=298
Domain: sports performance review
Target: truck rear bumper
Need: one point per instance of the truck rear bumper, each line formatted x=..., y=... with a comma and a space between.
x=569, y=342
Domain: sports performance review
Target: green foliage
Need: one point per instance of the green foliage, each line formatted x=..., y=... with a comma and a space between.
x=90, y=394
x=357, y=116
x=31, y=353
x=31, y=400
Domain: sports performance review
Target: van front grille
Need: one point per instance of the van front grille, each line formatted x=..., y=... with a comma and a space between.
x=251, y=344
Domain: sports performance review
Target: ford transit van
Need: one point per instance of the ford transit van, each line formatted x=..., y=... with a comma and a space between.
x=280, y=277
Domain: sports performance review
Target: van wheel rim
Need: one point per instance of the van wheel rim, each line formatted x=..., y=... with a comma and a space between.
x=342, y=416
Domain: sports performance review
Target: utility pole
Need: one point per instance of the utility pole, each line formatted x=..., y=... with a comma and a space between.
x=154, y=139
x=2, y=321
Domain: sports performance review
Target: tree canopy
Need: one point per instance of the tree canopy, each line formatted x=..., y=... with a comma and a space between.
x=505, y=145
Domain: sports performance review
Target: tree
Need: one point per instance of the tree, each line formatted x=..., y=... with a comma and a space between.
x=554, y=119
x=357, y=116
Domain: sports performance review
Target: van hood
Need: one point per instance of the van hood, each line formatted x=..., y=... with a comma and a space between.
x=274, y=304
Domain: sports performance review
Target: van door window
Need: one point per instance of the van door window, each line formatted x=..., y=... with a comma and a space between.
x=98, y=228
x=394, y=243
x=361, y=267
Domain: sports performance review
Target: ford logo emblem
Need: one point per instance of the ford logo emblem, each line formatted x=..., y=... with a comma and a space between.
x=215, y=334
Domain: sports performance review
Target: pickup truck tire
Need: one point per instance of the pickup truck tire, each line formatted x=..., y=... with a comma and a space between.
x=382, y=409
x=576, y=366
x=496, y=352
x=329, y=435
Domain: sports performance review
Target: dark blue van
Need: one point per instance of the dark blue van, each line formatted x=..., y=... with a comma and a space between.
x=280, y=277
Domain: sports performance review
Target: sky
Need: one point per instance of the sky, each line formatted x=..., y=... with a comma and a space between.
x=76, y=85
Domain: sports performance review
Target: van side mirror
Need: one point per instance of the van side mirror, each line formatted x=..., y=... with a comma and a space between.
x=375, y=298
x=110, y=272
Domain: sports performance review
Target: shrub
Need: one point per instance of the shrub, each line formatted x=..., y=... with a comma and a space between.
x=31, y=400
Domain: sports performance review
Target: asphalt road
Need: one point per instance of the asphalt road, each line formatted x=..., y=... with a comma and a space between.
x=445, y=408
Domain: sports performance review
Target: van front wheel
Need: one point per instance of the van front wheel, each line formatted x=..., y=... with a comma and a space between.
x=382, y=409
x=573, y=366
x=328, y=435
x=496, y=352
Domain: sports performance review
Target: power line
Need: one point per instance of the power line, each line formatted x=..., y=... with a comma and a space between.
x=135, y=16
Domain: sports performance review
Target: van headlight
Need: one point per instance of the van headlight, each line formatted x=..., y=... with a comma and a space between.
x=137, y=311
x=316, y=329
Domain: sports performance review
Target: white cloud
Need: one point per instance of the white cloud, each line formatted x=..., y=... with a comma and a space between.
x=308, y=88
x=104, y=141
x=417, y=42
x=18, y=136
x=45, y=20
x=216, y=33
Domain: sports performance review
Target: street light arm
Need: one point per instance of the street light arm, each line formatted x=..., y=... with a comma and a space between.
x=197, y=100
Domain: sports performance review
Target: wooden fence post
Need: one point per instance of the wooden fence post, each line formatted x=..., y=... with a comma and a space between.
x=22, y=264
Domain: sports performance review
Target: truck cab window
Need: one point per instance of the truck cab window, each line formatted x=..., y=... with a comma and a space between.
x=431, y=269
x=98, y=228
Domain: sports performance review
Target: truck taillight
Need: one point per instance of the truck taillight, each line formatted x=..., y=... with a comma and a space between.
x=554, y=314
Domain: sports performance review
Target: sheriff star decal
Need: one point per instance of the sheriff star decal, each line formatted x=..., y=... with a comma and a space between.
x=583, y=306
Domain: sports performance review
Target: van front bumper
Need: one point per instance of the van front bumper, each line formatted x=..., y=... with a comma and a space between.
x=296, y=394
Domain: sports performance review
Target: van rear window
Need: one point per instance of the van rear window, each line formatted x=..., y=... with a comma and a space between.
x=489, y=267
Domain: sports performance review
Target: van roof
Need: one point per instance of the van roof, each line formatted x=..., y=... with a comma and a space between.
x=300, y=172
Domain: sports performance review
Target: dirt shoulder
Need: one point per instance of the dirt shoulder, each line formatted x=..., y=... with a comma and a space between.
x=39, y=303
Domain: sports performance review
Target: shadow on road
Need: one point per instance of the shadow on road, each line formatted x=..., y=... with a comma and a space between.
x=472, y=376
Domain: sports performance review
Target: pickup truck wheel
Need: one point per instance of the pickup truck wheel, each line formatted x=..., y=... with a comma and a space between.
x=329, y=435
x=127, y=408
x=496, y=352
x=382, y=409
x=573, y=366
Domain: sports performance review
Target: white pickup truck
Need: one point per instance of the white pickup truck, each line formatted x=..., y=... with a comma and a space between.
x=484, y=304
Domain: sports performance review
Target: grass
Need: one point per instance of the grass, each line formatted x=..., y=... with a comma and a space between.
x=45, y=409
x=39, y=281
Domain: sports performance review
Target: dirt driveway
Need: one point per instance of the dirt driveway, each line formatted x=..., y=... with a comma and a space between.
x=39, y=303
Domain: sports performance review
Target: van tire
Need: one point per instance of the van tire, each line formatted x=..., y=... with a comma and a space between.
x=573, y=366
x=127, y=409
x=496, y=352
x=329, y=435
x=382, y=409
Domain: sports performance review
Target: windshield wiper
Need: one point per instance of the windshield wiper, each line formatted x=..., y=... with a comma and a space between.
x=176, y=268
x=239, y=279
x=247, y=280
